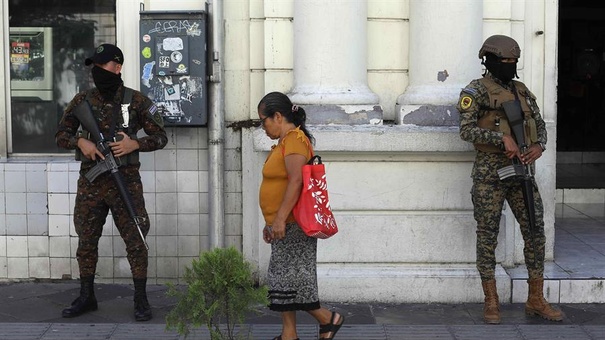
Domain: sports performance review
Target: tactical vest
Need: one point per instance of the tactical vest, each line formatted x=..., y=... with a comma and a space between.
x=133, y=157
x=494, y=118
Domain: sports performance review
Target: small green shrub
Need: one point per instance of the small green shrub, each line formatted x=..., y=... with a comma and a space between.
x=220, y=291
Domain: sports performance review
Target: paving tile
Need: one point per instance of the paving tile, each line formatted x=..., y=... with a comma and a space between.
x=422, y=313
x=549, y=332
x=25, y=290
x=24, y=330
x=584, y=314
x=597, y=332
x=418, y=332
x=481, y=332
x=360, y=332
x=589, y=209
x=61, y=331
x=271, y=331
x=22, y=312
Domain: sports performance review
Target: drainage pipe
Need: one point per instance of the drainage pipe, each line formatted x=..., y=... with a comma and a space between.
x=216, y=127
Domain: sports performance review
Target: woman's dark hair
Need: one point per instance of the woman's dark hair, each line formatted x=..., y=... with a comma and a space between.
x=279, y=102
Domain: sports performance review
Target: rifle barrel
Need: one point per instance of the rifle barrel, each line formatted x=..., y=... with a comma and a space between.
x=125, y=194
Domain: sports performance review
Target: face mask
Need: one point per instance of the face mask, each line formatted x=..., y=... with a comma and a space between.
x=107, y=82
x=503, y=71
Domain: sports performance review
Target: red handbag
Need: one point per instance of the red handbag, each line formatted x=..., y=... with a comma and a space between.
x=312, y=211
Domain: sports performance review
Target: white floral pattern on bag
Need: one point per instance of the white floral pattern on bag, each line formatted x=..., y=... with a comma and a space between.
x=319, y=190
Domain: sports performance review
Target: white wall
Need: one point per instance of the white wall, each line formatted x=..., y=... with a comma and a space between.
x=401, y=194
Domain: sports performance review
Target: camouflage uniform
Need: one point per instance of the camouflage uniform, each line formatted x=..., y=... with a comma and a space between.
x=95, y=200
x=489, y=192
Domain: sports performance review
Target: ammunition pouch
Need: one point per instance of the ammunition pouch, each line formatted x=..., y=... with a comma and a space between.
x=494, y=118
x=531, y=131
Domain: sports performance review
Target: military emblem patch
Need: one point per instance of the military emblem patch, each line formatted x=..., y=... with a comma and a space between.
x=155, y=115
x=466, y=102
x=152, y=109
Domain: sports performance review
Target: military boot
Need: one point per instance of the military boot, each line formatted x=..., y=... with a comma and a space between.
x=491, y=308
x=142, y=309
x=85, y=302
x=536, y=303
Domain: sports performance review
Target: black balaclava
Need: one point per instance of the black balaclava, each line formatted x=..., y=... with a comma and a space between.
x=107, y=82
x=503, y=71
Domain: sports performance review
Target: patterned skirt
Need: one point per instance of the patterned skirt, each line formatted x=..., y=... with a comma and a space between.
x=292, y=275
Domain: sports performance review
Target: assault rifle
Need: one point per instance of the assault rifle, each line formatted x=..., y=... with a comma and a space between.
x=523, y=172
x=84, y=114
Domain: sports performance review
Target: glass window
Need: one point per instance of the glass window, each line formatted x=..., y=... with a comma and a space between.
x=49, y=40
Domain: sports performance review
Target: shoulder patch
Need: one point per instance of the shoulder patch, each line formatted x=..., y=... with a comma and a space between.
x=465, y=102
x=470, y=90
x=155, y=116
x=152, y=109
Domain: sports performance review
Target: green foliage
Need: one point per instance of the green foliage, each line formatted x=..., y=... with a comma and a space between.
x=220, y=291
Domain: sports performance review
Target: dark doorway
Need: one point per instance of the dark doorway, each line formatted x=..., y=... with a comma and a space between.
x=581, y=95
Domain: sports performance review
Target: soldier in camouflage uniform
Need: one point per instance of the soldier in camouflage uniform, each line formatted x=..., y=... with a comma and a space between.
x=120, y=122
x=484, y=123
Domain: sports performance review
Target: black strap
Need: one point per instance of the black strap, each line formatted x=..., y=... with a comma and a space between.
x=517, y=125
x=517, y=101
x=115, y=116
x=127, y=95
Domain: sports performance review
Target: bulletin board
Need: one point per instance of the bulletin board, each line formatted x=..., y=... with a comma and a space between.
x=173, y=65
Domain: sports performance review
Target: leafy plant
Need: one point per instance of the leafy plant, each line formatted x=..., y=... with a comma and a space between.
x=220, y=291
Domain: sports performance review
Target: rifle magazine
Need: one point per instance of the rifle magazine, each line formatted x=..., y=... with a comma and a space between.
x=100, y=168
x=506, y=172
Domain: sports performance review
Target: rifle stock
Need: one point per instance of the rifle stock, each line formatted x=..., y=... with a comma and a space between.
x=84, y=114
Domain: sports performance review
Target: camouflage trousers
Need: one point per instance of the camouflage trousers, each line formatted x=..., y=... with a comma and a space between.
x=93, y=202
x=488, y=199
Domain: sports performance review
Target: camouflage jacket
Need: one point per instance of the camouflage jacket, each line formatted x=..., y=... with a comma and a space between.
x=473, y=102
x=143, y=115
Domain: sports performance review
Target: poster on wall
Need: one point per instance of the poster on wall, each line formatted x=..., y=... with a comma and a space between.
x=19, y=59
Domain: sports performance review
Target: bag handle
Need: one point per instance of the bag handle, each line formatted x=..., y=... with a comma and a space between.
x=315, y=160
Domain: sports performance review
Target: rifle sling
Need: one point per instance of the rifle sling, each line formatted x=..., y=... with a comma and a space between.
x=518, y=120
x=114, y=117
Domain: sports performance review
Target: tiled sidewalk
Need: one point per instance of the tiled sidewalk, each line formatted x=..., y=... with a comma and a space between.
x=577, y=274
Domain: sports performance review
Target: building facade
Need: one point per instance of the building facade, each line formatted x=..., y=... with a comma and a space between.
x=379, y=79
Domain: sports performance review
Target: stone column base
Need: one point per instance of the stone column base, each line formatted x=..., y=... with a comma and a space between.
x=326, y=114
x=406, y=283
x=427, y=115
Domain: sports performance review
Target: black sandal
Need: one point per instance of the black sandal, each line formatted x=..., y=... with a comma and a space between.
x=331, y=328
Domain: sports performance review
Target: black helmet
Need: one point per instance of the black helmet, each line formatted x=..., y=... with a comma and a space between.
x=501, y=46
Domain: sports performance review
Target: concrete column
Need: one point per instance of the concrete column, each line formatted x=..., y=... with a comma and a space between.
x=127, y=20
x=330, y=62
x=445, y=37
